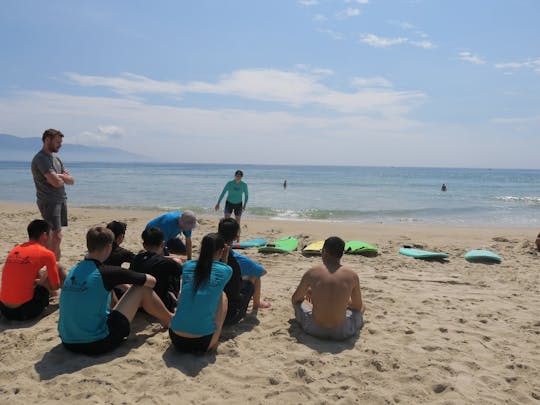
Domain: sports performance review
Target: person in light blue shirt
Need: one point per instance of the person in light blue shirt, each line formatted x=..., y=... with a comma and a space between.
x=236, y=191
x=202, y=307
x=172, y=224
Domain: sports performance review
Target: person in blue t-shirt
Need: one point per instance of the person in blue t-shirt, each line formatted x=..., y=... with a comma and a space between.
x=172, y=224
x=85, y=323
x=202, y=307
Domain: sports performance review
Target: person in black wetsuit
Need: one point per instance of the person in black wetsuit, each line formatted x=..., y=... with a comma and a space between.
x=166, y=270
x=118, y=255
x=238, y=291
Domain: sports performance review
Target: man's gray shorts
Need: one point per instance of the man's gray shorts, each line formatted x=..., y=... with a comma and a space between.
x=55, y=213
x=352, y=324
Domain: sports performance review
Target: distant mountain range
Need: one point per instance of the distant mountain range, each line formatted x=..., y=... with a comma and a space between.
x=14, y=148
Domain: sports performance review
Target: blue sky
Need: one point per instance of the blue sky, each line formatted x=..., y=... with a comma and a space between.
x=328, y=82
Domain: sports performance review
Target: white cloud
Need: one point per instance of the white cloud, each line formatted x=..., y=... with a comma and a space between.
x=201, y=135
x=319, y=17
x=360, y=82
x=423, y=44
x=357, y=1
x=269, y=85
x=532, y=64
x=517, y=120
x=308, y=3
x=469, y=57
x=333, y=34
x=102, y=135
x=380, y=42
x=348, y=12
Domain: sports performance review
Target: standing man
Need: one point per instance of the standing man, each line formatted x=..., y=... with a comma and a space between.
x=327, y=302
x=50, y=176
x=172, y=224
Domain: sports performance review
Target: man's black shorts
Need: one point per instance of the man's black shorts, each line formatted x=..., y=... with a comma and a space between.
x=29, y=309
x=119, y=329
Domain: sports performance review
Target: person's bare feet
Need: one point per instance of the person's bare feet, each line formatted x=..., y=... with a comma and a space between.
x=262, y=305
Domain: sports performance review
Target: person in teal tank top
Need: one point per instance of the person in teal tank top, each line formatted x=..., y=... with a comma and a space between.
x=236, y=191
x=202, y=307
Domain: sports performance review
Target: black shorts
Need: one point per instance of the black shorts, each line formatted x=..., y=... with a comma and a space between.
x=29, y=309
x=237, y=309
x=175, y=246
x=119, y=329
x=55, y=213
x=230, y=207
x=190, y=345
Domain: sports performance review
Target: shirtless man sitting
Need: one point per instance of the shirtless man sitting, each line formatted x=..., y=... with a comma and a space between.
x=327, y=302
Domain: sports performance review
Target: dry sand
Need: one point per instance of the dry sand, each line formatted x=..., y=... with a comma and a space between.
x=436, y=332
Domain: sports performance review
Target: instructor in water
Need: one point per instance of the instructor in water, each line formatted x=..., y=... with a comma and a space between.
x=235, y=189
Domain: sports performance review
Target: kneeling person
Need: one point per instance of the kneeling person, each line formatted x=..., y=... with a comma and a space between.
x=327, y=302
x=86, y=325
x=25, y=293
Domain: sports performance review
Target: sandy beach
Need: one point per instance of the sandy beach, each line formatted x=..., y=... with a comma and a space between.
x=449, y=332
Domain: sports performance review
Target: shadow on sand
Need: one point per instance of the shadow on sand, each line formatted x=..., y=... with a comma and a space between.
x=320, y=345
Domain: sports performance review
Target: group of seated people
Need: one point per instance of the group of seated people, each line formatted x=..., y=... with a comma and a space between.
x=193, y=299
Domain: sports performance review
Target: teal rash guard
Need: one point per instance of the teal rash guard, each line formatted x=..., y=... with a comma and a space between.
x=235, y=191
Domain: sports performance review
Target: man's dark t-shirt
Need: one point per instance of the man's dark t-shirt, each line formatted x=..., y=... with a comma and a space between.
x=167, y=272
x=119, y=255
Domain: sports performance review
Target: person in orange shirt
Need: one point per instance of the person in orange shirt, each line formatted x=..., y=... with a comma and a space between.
x=24, y=292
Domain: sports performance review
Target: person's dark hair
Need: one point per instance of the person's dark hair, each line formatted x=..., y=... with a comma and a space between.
x=36, y=228
x=210, y=244
x=152, y=237
x=334, y=246
x=51, y=133
x=98, y=237
x=228, y=228
x=118, y=228
x=239, y=173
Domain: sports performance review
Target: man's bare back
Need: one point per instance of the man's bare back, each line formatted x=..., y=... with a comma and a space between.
x=331, y=289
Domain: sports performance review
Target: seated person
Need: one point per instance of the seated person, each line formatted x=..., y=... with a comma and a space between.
x=25, y=292
x=327, y=302
x=119, y=255
x=166, y=271
x=85, y=323
x=538, y=242
x=172, y=224
x=238, y=290
x=197, y=323
x=253, y=271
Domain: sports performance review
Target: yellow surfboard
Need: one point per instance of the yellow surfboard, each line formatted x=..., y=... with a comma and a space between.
x=314, y=248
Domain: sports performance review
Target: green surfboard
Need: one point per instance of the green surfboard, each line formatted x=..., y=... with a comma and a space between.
x=357, y=247
x=283, y=245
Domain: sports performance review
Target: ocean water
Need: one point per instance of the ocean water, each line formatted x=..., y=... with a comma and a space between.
x=487, y=197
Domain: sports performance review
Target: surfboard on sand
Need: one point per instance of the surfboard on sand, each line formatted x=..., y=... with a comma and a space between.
x=357, y=247
x=283, y=245
x=423, y=254
x=246, y=244
x=482, y=256
x=314, y=248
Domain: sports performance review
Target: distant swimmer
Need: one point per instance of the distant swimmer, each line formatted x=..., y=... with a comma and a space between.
x=285, y=184
x=443, y=187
